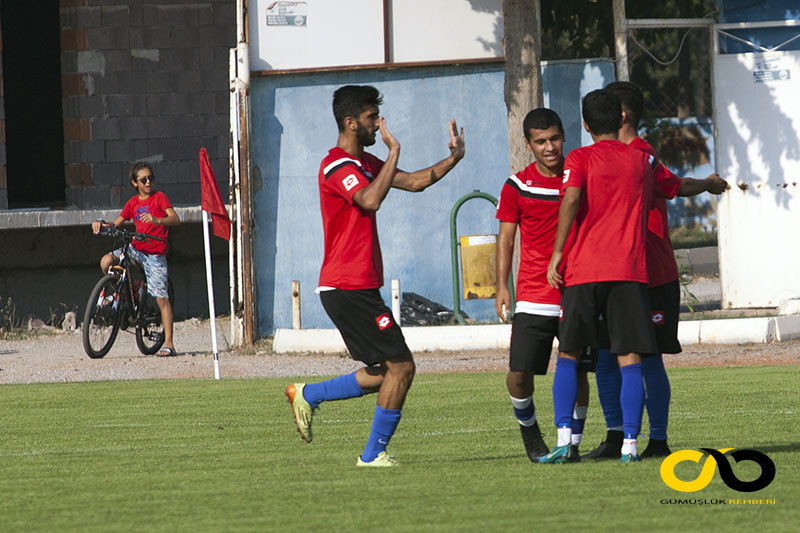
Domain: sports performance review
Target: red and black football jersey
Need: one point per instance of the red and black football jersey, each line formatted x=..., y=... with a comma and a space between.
x=532, y=200
x=352, y=251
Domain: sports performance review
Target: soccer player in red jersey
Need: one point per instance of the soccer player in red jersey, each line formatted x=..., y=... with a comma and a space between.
x=152, y=213
x=352, y=186
x=530, y=199
x=664, y=288
x=607, y=189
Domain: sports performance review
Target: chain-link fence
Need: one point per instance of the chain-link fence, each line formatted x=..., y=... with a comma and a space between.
x=673, y=66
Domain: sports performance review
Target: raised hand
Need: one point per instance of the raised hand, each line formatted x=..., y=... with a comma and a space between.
x=456, y=144
x=386, y=136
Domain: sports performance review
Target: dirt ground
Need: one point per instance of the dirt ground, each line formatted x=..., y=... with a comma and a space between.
x=59, y=357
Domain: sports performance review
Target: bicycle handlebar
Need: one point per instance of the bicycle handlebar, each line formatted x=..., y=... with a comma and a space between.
x=113, y=231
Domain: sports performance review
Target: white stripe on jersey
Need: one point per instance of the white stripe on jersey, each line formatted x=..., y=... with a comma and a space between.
x=537, y=309
x=339, y=162
x=535, y=190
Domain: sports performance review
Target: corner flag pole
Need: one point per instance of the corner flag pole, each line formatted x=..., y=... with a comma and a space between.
x=211, y=204
x=209, y=282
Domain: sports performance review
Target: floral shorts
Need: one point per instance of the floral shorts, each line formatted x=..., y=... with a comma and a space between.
x=155, y=271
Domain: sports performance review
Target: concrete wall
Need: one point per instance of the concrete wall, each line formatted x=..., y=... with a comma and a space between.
x=54, y=269
x=293, y=128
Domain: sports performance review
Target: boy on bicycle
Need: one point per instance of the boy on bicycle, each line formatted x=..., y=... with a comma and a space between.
x=151, y=212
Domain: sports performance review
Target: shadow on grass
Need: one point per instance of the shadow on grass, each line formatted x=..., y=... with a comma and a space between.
x=794, y=447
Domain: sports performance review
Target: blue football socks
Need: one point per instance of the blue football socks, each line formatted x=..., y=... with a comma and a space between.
x=632, y=399
x=565, y=390
x=339, y=388
x=657, y=395
x=609, y=381
x=383, y=427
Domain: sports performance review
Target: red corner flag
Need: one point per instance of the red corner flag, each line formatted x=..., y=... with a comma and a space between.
x=211, y=201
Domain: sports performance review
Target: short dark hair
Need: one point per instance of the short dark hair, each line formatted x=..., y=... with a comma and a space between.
x=350, y=101
x=602, y=112
x=135, y=171
x=541, y=118
x=631, y=98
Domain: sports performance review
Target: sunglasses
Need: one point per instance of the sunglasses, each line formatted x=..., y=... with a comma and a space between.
x=146, y=179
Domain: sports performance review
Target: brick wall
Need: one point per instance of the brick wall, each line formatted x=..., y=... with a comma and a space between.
x=3, y=183
x=143, y=80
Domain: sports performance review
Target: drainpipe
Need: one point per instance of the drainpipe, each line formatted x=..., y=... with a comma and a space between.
x=243, y=287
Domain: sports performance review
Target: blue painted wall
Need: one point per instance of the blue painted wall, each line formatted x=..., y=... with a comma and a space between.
x=293, y=128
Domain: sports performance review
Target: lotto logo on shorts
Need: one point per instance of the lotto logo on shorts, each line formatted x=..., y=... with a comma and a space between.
x=350, y=181
x=658, y=318
x=561, y=313
x=384, y=321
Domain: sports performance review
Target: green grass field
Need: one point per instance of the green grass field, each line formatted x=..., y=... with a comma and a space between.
x=224, y=456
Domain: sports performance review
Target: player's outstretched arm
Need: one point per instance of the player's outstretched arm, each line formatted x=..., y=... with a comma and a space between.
x=712, y=184
x=371, y=196
x=422, y=179
x=505, y=253
x=566, y=216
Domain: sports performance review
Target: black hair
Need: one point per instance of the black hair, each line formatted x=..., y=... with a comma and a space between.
x=135, y=171
x=602, y=112
x=631, y=98
x=350, y=101
x=541, y=118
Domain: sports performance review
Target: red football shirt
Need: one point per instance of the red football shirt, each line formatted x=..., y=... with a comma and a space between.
x=352, y=251
x=617, y=184
x=532, y=200
x=661, y=265
x=156, y=204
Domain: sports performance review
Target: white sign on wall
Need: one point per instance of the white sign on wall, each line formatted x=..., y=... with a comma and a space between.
x=287, y=14
x=332, y=33
x=758, y=145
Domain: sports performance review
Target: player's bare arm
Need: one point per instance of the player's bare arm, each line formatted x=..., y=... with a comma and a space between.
x=371, y=196
x=505, y=252
x=422, y=179
x=566, y=216
x=713, y=184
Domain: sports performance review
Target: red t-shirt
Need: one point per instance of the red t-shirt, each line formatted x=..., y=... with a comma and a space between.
x=617, y=184
x=156, y=204
x=532, y=200
x=352, y=251
x=661, y=265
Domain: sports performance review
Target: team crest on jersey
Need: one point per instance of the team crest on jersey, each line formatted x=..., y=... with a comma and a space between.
x=350, y=181
x=384, y=321
x=658, y=318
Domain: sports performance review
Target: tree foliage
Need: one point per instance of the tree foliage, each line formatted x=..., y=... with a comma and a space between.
x=672, y=66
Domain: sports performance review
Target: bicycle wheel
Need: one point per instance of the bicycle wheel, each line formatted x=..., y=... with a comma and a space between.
x=149, y=329
x=101, y=318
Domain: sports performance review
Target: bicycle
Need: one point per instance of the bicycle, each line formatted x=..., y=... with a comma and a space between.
x=120, y=300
